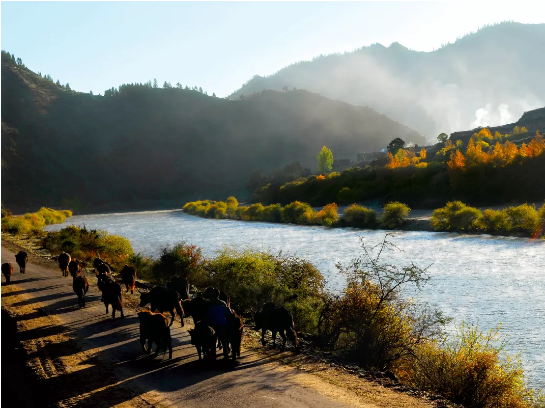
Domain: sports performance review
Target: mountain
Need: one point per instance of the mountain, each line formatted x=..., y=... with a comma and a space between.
x=144, y=147
x=488, y=77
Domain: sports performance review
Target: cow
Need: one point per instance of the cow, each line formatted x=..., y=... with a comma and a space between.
x=180, y=285
x=128, y=276
x=111, y=294
x=276, y=319
x=102, y=266
x=103, y=276
x=80, y=286
x=235, y=326
x=74, y=267
x=7, y=270
x=155, y=329
x=64, y=259
x=22, y=259
x=196, y=308
x=203, y=338
x=163, y=300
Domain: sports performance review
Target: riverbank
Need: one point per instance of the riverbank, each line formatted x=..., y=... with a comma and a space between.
x=83, y=357
x=515, y=220
x=362, y=372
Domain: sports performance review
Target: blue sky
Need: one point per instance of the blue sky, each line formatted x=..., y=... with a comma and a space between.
x=221, y=45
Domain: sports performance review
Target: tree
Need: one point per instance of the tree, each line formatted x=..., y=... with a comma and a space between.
x=58, y=83
x=155, y=83
x=395, y=145
x=325, y=160
x=178, y=85
x=214, y=94
x=67, y=86
x=91, y=93
x=442, y=137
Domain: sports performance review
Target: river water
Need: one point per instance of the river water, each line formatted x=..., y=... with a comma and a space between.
x=477, y=279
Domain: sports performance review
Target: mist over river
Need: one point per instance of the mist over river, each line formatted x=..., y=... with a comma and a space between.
x=474, y=278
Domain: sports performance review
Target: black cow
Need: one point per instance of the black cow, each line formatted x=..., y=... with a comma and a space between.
x=74, y=267
x=203, y=338
x=7, y=270
x=22, y=259
x=64, y=259
x=276, y=319
x=235, y=325
x=80, y=286
x=111, y=294
x=155, y=329
x=197, y=308
x=102, y=266
x=128, y=276
x=163, y=300
x=180, y=285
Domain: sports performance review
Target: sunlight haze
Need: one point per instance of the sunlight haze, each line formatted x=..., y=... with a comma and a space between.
x=220, y=46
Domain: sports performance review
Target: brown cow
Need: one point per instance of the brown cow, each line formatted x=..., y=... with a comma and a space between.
x=22, y=259
x=111, y=294
x=276, y=319
x=80, y=286
x=7, y=270
x=64, y=259
x=128, y=276
x=155, y=329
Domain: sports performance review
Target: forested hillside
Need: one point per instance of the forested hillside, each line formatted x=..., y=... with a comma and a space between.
x=147, y=147
x=485, y=78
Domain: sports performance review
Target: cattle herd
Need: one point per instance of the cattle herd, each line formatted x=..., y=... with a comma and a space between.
x=217, y=325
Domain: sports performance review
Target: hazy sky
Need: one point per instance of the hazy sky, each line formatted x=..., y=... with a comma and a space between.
x=221, y=45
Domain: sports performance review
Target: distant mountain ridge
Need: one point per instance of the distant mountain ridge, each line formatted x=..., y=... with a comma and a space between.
x=488, y=77
x=157, y=148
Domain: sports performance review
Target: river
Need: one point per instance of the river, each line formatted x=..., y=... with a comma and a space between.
x=478, y=279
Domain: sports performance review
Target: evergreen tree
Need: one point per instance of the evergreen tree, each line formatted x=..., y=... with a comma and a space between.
x=67, y=87
x=395, y=145
x=325, y=160
x=58, y=83
x=442, y=137
x=91, y=93
x=155, y=83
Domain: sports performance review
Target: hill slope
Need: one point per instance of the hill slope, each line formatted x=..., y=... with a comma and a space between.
x=488, y=77
x=155, y=148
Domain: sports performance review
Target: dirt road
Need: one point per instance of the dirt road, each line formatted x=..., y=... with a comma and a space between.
x=83, y=358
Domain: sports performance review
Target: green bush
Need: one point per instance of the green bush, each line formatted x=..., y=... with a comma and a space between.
x=272, y=213
x=523, y=218
x=360, y=217
x=255, y=212
x=181, y=259
x=494, y=221
x=86, y=245
x=294, y=213
x=456, y=216
x=395, y=214
x=252, y=278
x=541, y=216
x=33, y=223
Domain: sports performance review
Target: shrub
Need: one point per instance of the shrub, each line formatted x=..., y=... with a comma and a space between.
x=457, y=216
x=241, y=213
x=294, y=212
x=181, y=259
x=252, y=278
x=360, y=217
x=328, y=215
x=86, y=245
x=32, y=223
x=541, y=216
x=272, y=213
x=494, y=220
x=370, y=320
x=395, y=214
x=467, y=369
x=523, y=218
x=255, y=212
x=232, y=204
